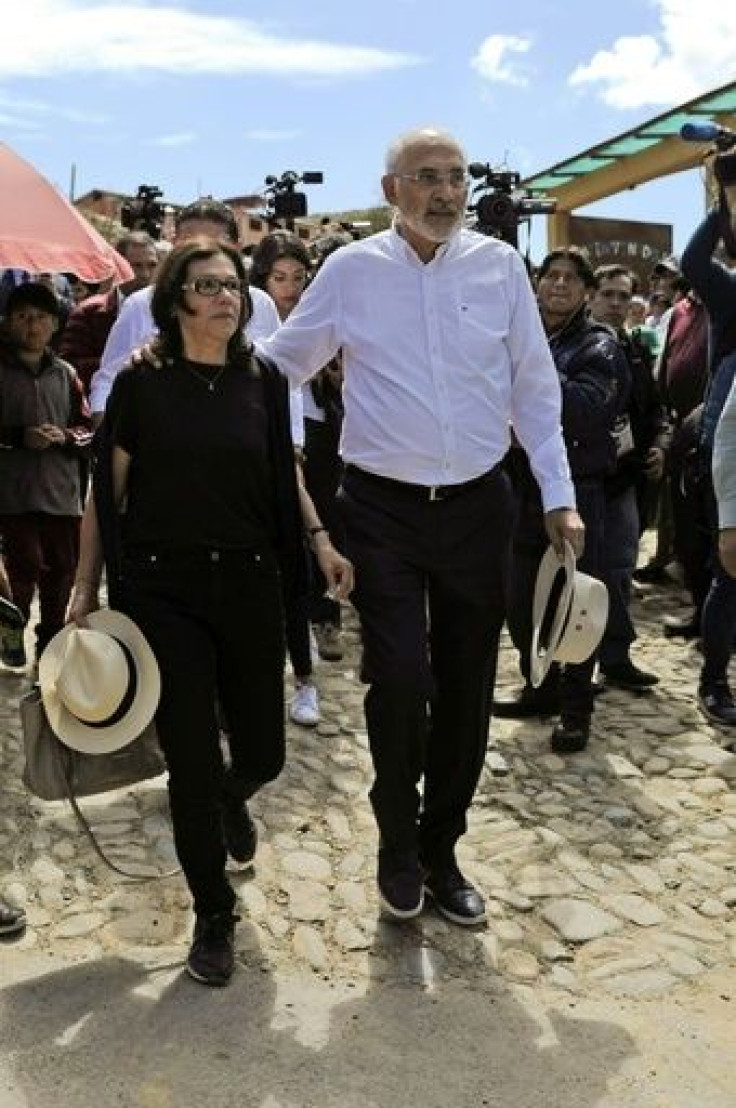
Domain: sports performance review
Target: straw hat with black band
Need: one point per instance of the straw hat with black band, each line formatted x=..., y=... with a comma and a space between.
x=570, y=614
x=100, y=684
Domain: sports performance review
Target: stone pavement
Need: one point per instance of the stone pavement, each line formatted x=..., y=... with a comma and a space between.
x=610, y=876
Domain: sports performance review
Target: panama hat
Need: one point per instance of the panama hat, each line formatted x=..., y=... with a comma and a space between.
x=100, y=684
x=570, y=614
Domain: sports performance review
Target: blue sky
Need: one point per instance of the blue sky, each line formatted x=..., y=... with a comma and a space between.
x=211, y=95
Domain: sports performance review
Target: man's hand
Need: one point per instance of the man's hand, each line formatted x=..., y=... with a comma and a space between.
x=654, y=463
x=56, y=434
x=565, y=524
x=143, y=354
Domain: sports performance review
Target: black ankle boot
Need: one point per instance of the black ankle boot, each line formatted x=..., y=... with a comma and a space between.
x=571, y=734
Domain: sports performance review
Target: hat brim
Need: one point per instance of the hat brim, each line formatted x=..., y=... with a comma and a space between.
x=586, y=621
x=74, y=732
x=545, y=642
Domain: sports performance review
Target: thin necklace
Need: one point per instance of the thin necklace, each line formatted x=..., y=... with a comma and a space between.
x=210, y=382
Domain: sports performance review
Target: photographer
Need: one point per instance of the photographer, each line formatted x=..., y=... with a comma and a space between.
x=716, y=286
x=724, y=483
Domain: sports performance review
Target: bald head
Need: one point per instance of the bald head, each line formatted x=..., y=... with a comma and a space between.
x=402, y=146
x=426, y=183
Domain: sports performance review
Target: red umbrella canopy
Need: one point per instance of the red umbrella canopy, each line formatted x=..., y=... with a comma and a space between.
x=42, y=232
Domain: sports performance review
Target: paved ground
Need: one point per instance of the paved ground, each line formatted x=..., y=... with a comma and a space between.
x=606, y=975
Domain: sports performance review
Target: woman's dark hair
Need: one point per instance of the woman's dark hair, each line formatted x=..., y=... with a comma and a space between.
x=168, y=295
x=271, y=248
x=576, y=257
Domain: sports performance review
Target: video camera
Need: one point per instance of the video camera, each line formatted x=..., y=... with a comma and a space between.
x=283, y=199
x=501, y=203
x=144, y=213
x=724, y=141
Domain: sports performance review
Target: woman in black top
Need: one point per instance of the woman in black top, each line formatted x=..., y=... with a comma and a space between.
x=196, y=510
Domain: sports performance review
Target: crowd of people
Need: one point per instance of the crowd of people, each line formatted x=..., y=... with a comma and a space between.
x=408, y=420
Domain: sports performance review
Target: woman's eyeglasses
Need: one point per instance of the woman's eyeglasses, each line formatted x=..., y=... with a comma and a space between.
x=213, y=286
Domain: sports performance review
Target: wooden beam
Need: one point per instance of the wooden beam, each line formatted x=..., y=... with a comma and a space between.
x=672, y=155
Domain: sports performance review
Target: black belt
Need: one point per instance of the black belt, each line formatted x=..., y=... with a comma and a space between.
x=419, y=492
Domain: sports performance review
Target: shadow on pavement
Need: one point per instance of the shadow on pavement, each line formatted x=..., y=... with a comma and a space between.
x=115, y=1033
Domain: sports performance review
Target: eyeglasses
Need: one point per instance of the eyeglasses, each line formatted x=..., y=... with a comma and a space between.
x=213, y=286
x=431, y=179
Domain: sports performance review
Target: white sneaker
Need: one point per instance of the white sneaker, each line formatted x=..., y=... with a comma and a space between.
x=304, y=707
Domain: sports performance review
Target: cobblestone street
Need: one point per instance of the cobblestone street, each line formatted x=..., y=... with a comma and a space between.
x=611, y=886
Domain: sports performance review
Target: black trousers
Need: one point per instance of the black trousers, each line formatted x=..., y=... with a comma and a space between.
x=214, y=620
x=430, y=582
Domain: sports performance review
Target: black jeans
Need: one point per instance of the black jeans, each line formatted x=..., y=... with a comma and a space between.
x=430, y=580
x=322, y=474
x=214, y=620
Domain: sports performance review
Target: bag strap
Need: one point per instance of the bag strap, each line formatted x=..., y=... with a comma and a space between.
x=62, y=766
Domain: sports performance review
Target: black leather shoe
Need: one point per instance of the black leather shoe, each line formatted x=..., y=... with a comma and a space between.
x=239, y=830
x=681, y=627
x=211, y=957
x=571, y=735
x=400, y=887
x=453, y=895
x=626, y=675
x=12, y=920
x=529, y=702
x=651, y=574
x=716, y=702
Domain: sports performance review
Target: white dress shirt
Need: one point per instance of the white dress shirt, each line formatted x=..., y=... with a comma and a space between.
x=311, y=408
x=440, y=360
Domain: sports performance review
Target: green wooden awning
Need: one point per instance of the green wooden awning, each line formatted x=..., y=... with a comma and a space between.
x=651, y=150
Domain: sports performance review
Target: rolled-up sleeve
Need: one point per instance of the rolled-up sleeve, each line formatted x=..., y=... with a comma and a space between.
x=309, y=338
x=536, y=401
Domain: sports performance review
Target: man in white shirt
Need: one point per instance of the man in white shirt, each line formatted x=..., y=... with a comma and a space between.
x=443, y=350
x=134, y=325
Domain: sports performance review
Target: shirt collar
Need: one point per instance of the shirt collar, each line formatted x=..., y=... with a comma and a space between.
x=406, y=250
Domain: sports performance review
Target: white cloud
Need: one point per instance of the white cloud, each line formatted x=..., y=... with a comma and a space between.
x=693, y=51
x=43, y=109
x=52, y=37
x=262, y=135
x=17, y=123
x=493, y=63
x=183, y=138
